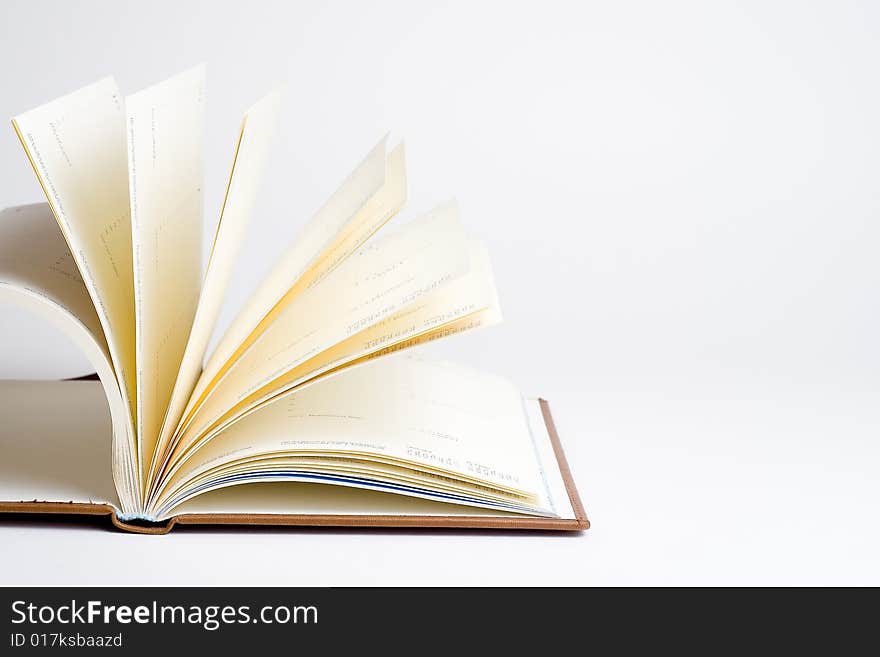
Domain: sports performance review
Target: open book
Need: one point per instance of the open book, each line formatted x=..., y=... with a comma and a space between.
x=304, y=397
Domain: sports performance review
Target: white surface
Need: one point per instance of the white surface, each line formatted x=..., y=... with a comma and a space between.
x=680, y=200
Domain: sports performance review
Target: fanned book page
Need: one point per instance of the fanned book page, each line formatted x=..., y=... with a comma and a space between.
x=164, y=128
x=304, y=412
x=422, y=428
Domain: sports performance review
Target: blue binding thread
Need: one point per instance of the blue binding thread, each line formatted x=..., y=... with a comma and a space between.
x=126, y=517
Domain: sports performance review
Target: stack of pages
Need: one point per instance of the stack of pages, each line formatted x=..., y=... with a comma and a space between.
x=305, y=397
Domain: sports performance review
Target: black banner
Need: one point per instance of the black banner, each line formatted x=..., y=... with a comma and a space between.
x=386, y=620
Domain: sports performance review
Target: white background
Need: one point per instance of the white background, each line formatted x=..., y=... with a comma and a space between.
x=681, y=200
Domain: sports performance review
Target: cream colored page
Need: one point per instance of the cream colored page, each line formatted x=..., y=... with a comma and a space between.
x=76, y=145
x=472, y=296
x=554, y=483
x=35, y=257
x=45, y=456
x=433, y=414
x=379, y=470
x=383, y=205
x=300, y=497
x=280, y=497
x=373, y=285
x=310, y=498
x=372, y=215
x=38, y=272
x=466, y=303
x=256, y=138
x=297, y=381
x=165, y=130
x=351, y=464
x=365, y=182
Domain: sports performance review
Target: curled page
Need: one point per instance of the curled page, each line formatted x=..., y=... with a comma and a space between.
x=464, y=304
x=76, y=145
x=425, y=282
x=371, y=286
x=38, y=272
x=372, y=194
